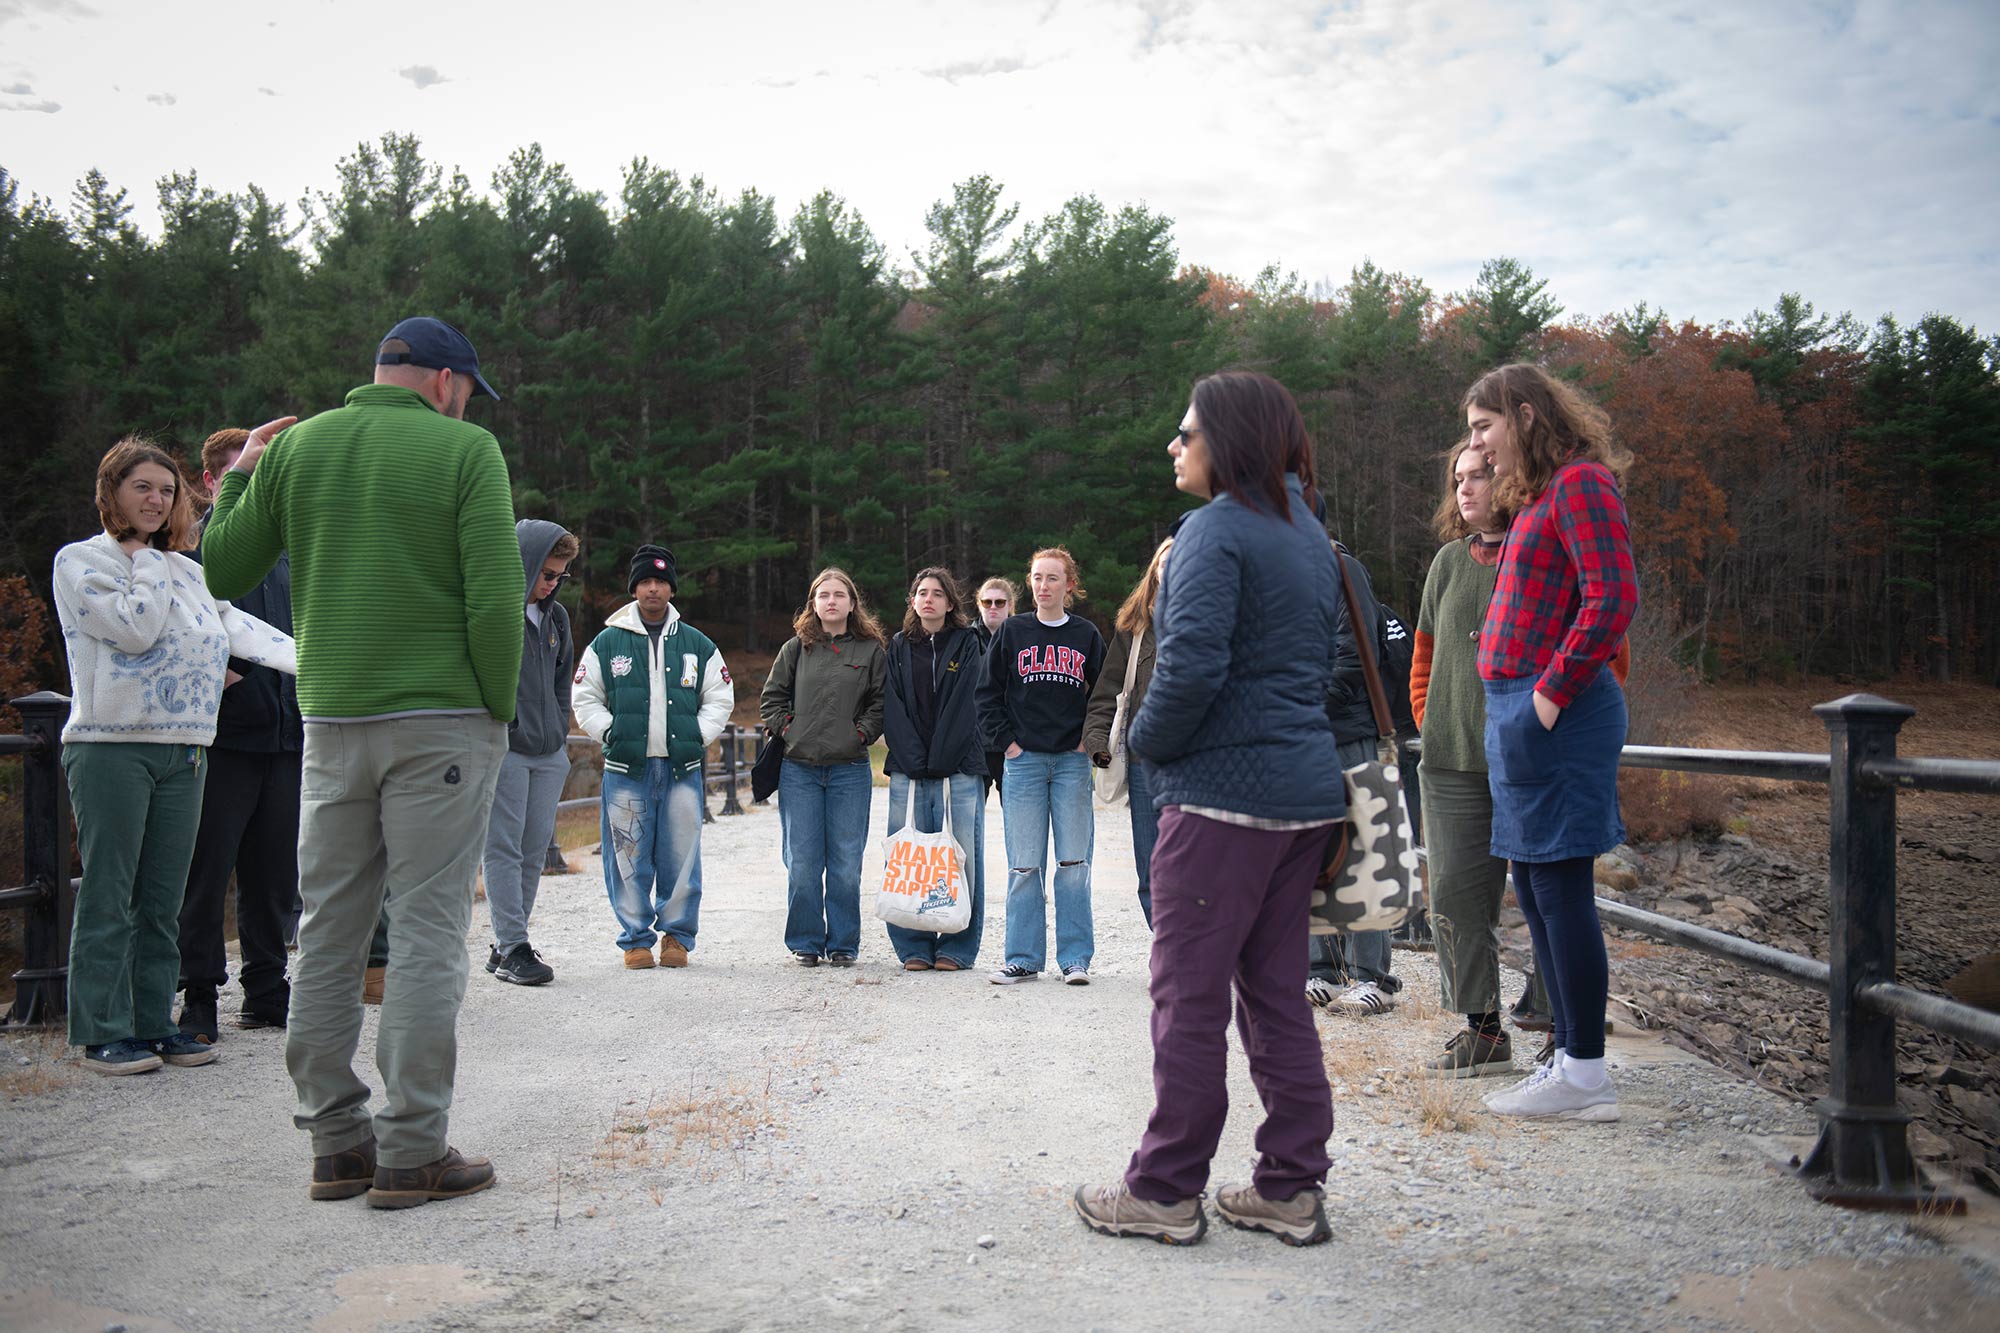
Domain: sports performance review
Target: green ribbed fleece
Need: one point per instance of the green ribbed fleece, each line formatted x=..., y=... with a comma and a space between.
x=407, y=584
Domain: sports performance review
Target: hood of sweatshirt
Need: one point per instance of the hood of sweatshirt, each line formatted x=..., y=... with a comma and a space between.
x=627, y=617
x=538, y=537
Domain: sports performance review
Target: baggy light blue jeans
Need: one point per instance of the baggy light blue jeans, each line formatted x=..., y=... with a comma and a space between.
x=651, y=827
x=824, y=811
x=968, y=806
x=1048, y=795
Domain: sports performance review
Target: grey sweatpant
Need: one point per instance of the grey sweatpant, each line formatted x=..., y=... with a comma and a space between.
x=517, y=839
x=393, y=809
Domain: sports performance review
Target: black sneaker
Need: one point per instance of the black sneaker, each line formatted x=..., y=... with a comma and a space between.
x=1076, y=976
x=524, y=967
x=126, y=1056
x=494, y=958
x=1014, y=974
x=198, y=1016
x=181, y=1049
x=840, y=960
x=804, y=959
x=252, y=1019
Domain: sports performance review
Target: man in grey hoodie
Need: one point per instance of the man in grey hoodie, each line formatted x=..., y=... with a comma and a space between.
x=537, y=762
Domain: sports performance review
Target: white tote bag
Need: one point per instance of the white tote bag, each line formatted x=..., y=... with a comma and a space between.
x=1113, y=782
x=923, y=875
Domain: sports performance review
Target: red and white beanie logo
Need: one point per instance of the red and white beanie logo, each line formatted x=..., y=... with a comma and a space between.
x=659, y=563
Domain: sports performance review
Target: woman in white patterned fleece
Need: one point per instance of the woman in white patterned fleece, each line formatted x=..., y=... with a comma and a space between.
x=149, y=653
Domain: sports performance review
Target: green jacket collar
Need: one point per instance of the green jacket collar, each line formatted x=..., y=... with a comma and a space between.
x=388, y=395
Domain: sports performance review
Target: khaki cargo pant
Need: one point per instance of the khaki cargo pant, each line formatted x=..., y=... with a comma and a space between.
x=393, y=809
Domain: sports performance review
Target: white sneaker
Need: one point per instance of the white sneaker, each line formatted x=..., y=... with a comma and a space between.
x=1539, y=1074
x=1366, y=998
x=1555, y=1097
x=1321, y=993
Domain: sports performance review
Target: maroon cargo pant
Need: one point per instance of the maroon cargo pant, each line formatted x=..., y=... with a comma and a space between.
x=1229, y=905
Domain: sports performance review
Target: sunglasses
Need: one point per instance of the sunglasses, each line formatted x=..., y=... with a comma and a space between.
x=558, y=579
x=1186, y=437
x=993, y=601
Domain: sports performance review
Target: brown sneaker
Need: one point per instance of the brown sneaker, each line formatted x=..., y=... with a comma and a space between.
x=1473, y=1054
x=371, y=984
x=637, y=959
x=672, y=952
x=1299, y=1220
x=1113, y=1210
x=343, y=1174
x=915, y=965
x=448, y=1177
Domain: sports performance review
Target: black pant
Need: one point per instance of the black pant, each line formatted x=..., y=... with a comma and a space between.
x=249, y=824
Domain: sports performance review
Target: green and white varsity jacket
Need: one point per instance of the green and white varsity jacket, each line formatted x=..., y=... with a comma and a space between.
x=641, y=702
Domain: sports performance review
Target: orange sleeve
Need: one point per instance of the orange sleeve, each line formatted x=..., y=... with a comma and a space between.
x=1420, y=676
x=1621, y=661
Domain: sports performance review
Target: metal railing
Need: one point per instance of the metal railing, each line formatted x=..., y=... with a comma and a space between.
x=1862, y=1158
x=736, y=748
x=48, y=899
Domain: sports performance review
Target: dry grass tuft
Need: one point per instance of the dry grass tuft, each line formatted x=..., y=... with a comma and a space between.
x=699, y=1132
x=35, y=1063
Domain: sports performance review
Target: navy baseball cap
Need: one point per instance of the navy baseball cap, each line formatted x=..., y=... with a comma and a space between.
x=433, y=345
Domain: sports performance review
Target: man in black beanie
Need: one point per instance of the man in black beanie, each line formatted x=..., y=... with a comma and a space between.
x=654, y=724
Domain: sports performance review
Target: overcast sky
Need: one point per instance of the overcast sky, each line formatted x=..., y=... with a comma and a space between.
x=1701, y=157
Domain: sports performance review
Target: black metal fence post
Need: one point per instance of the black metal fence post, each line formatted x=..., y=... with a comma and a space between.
x=1863, y=1157
x=552, y=860
x=730, y=738
x=41, y=987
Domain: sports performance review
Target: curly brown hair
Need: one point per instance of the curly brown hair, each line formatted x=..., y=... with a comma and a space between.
x=178, y=532
x=954, y=592
x=1069, y=567
x=1552, y=423
x=861, y=622
x=1447, y=522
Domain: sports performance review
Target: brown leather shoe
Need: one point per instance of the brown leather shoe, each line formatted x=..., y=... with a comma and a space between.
x=344, y=1174
x=672, y=952
x=371, y=984
x=915, y=965
x=448, y=1177
x=638, y=958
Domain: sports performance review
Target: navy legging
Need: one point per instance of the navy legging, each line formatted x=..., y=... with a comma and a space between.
x=1559, y=898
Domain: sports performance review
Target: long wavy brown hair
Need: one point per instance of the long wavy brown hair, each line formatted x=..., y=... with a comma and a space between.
x=954, y=592
x=861, y=622
x=178, y=532
x=1447, y=522
x=1136, y=613
x=1552, y=423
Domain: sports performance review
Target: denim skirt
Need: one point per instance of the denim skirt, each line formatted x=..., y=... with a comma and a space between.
x=1555, y=790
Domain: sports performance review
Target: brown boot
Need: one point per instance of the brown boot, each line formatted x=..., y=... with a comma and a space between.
x=371, y=985
x=344, y=1174
x=637, y=959
x=672, y=952
x=448, y=1177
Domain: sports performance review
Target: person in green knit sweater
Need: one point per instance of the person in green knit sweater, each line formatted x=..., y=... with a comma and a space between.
x=407, y=590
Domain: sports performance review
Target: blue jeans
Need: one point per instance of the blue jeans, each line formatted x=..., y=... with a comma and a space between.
x=1044, y=794
x=968, y=825
x=824, y=811
x=1145, y=832
x=652, y=853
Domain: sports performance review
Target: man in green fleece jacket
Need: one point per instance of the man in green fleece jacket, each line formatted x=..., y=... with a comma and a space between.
x=407, y=589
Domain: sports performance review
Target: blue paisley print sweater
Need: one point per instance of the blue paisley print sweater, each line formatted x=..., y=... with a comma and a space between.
x=148, y=647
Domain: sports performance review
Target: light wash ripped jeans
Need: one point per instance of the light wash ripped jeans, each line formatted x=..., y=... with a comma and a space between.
x=652, y=853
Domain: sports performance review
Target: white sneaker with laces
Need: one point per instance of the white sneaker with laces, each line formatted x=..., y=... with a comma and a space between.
x=1540, y=1073
x=1366, y=998
x=1556, y=1098
x=1321, y=993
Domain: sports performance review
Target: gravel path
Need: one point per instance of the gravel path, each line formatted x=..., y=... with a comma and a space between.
x=748, y=1144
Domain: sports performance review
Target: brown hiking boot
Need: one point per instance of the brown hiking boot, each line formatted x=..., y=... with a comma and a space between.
x=371, y=984
x=672, y=952
x=1299, y=1220
x=638, y=959
x=1113, y=1210
x=448, y=1177
x=1473, y=1054
x=343, y=1174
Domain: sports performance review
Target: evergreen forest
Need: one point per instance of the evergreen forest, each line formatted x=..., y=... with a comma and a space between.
x=767, y=393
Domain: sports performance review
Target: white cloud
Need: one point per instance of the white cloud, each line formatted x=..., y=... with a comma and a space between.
x=423, y=76
x=162, y=99
x=10, y=10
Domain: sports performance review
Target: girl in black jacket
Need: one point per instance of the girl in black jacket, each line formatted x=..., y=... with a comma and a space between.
x=930, y=723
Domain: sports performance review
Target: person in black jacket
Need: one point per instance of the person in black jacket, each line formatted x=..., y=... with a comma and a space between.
x=249, y=817
x=931, y=726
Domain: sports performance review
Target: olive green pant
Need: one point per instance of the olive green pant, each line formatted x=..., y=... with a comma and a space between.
x=137, y=806
x=392, y=811
x=1467, y=883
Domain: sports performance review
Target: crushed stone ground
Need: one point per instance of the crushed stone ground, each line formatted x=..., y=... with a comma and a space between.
x=747, y=1145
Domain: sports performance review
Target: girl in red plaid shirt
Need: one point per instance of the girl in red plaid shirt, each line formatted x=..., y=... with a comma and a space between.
x=1555, y=715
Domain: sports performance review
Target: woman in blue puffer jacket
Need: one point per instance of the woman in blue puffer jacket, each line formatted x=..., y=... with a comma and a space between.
x=1244, y=774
